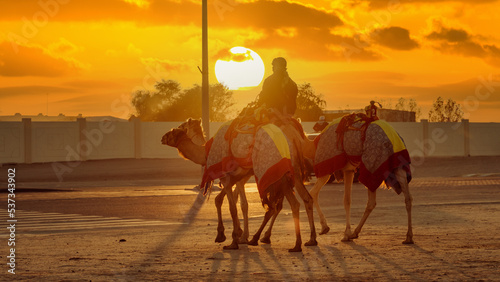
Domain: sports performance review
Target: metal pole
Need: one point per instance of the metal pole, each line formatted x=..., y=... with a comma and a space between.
x=205, y=110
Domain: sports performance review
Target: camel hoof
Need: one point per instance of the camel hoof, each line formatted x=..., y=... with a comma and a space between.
x=239, y=233
x=324, y=230
x=266, y=240
x=220, y=238
x=233, y=246
x=408, y=242
x=346, y=239
x=353, y=237
x=295, y=250
x=253, y=242
x=243, y=241
x=311, y=243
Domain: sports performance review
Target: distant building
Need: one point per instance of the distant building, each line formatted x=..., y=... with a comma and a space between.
x=385, y=114
x=60, y=117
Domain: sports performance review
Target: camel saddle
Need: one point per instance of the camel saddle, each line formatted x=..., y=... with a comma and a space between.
x=347, y=122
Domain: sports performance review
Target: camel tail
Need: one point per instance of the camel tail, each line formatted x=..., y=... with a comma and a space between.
x=392, y=182
x=301, y=164
x=207, y=190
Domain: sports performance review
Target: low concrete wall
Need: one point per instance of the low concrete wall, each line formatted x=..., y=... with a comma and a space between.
x=50, y=139
x=36, y=142
x=412, y=135
x=151, y=134
x=484, y=139
x=117, y=143
x=12, y=142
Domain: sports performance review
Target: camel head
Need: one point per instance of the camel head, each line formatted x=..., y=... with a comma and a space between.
x=194, y=131
x=188, y=150
x=173, y=137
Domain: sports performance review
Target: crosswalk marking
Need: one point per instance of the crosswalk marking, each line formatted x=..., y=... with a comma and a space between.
x=30, y=222
x=482, y=174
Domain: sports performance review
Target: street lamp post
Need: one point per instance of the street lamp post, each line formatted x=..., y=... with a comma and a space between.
x=205, y=110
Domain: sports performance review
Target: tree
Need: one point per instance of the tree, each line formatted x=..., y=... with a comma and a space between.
x=170, y=103
x=309, y=105
x=449, y=112
x=149, y=105
x=410, y=106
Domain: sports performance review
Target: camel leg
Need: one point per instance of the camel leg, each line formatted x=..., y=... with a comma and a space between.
x=348, y=178
x=269, y=213
x=240, y=190
x=401, y=177
x=320, y=182
x=308, y=203
x=267, y=236
x=372, y=202
x=295, y=205
x=220, y=226
x=234, y=215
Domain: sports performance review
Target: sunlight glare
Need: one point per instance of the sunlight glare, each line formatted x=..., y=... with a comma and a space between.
x=240, y=68
x=139, y=3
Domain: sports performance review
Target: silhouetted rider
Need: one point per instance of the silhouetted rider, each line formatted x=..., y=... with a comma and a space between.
x=371, y=110
x=279, y=91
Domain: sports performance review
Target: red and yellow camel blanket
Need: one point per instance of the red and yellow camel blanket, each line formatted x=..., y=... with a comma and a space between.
x=377, y=148
x=266, y=152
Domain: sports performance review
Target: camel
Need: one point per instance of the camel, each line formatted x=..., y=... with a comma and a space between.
x=396, y=177
x=400, y=179
x=296, y=136
x=277, y=191
x=195, y=132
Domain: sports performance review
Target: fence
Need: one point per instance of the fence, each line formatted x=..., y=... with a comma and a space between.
x=39, y=142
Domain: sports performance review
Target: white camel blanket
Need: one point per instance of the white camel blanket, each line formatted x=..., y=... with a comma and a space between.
x=382, y=151
x=267, y=153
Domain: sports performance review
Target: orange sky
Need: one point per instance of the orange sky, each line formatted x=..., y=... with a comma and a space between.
x=89, y=56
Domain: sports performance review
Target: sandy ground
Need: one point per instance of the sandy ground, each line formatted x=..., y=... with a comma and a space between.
x=456, y=219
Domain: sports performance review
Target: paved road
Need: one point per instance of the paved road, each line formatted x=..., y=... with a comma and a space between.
x=101, y=225
x=55, y=211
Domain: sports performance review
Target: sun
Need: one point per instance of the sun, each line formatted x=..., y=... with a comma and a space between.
x=239, y=68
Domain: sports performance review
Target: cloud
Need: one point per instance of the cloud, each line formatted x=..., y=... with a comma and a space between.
x=388, y=88
x=258, y=14
x=133, y=50
x=273, y=15
x=273, y=19
x=86, y=84
x=87, y=104
x=460, y=91
x=452, y=40
x=319, y=44
x=304, y=32
x=384, y=4
x=139, y=3
x=357, y=76
x=81, y=99
x=450, y=35
x=32, y=61
x=33, y=90
x=163, y=66
x=395, y=38
x=63, y=47
x=239, y=56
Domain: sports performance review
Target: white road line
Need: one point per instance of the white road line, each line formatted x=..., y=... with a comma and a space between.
x=98, y=226
x=36, y=222
x=482, y=174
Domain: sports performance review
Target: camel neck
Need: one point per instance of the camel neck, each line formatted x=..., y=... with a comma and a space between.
x=309, y=149
x=191, y=151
